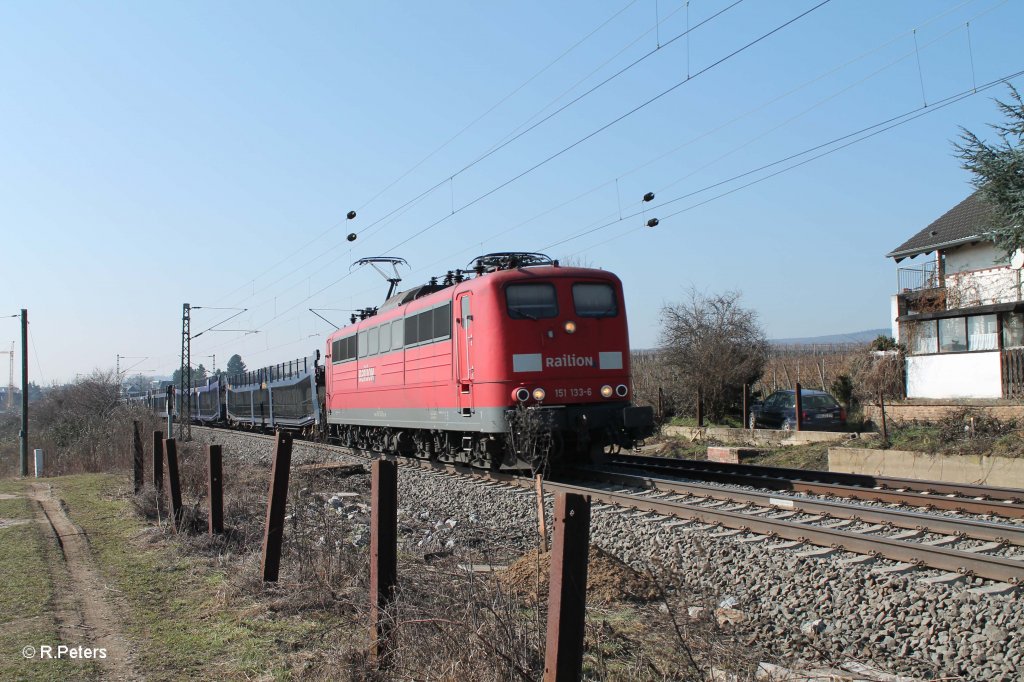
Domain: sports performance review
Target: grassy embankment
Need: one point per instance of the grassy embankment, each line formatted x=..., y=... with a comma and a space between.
x=177, y=614
x=29, y=563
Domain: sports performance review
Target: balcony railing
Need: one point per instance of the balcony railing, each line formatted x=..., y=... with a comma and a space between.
x=916, y=279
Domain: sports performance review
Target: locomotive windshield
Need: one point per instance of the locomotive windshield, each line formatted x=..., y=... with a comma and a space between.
x=533, y=301
x=594, y=300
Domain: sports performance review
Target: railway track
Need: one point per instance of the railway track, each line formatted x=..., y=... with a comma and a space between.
x=812, y=527
x=966, y=498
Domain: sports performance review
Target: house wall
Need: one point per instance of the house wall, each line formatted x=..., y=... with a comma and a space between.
x=894, y=312
x=973, y=257
x=954, y=375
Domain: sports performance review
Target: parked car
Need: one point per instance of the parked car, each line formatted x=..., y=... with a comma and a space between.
x=778, y=411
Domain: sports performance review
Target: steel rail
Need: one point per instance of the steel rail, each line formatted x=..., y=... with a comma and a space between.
x=958, y=561
x=934, y=494
x=843, y=478
x=953, y=560
x=971, y=528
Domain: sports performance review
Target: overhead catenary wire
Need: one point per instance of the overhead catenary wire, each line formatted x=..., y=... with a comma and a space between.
x=35, y=356
x=858, y=135
x=328, y=287
x=595, y=88
x=614, y=121
x=447, y=142
x=749, y=112
x=571, y=146
x=387, y=218
x=605, y=23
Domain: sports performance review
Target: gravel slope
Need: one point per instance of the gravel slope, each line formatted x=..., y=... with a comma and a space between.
x=809, y=610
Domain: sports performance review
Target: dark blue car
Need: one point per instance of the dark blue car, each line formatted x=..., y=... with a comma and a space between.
x=778, y=411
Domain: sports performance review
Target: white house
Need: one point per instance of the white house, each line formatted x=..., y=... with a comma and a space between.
x=959, y=312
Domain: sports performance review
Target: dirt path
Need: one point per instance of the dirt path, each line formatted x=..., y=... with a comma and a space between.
x=83, y=608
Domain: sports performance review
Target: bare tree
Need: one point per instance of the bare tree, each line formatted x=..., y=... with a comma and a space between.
x=715, y=345
x=878, y=376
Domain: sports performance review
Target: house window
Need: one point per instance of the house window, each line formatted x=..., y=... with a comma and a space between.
x=952, y=335
x=1013, y=330
x=982, y=333
x=924, y=338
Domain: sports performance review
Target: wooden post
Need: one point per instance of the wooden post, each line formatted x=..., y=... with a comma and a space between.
x=700, y=406
x=567, y=594
x=158, y=463
x=137, y=456
x=542, y=526
x=273, y=533
x=383, y=558
x=215, y=489
x=173, y=482
x=661, y=404
x=799, y=408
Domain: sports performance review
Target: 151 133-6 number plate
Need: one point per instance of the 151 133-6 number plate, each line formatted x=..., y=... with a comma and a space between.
x=574, y=392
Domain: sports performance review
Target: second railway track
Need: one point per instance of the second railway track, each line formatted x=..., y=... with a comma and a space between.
x=991, y=550
x=966, y=498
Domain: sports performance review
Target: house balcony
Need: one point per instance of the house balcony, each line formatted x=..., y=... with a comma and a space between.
x=924, y=288
x=910, y=280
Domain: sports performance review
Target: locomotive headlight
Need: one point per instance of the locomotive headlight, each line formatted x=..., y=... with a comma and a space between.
x=521, y=394
x=539, y=394
x=570, y=327
x=621, y=390
x=606, y=391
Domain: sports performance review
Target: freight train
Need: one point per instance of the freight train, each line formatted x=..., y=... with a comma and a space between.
x=517, y=363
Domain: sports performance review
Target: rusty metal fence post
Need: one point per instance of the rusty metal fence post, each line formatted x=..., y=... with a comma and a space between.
x=567, y=595
x=700, y=406
x=799, y=408
x=215, y=489
x=273, y=533
x=158, y=463
x=173, y=482
x=383, y=558
x=542, y=527
x=137, y=456
x=746, y=406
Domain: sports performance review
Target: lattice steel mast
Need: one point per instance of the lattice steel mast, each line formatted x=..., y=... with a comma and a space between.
x=185, y=381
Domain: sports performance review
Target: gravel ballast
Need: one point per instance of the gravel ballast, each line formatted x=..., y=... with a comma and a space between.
x=805, y=610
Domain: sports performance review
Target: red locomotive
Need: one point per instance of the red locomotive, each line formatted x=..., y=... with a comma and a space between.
x=523, y=363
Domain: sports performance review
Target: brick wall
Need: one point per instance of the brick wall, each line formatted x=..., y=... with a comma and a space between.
x=932, y=411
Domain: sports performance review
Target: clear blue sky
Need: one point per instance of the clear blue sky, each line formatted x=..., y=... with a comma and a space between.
x=157, y=153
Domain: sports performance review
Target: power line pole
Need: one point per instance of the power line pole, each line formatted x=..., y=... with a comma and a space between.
x=24, y=393
x=185, y=417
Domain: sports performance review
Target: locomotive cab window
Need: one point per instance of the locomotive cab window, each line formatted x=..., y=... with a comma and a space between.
x=531, y=301
x=362, y=344
x=372, y=340
x=343, y=350
x=397, y=333
x=594, y=300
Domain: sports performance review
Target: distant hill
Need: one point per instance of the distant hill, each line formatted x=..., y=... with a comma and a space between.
x=866, y=336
